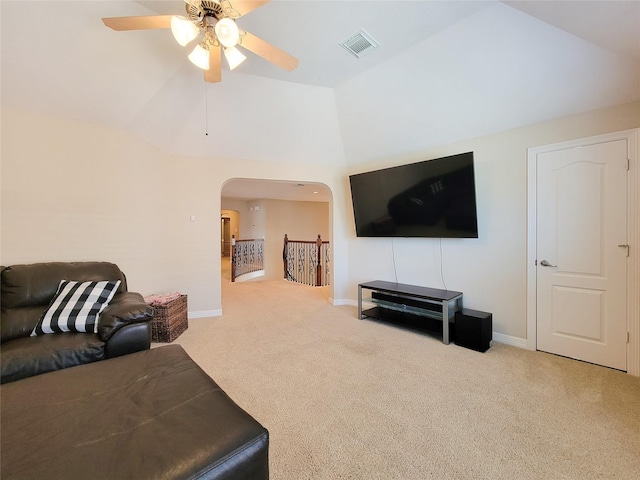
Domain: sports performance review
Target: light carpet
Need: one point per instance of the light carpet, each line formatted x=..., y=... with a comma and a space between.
x=345, y=398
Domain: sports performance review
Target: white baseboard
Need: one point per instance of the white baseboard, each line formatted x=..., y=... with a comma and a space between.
x=343, y=301
x=205, y=313
x=509, y=340
x=249, y=276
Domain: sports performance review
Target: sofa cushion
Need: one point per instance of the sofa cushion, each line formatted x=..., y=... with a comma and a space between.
x=36, y=284
x=29, y=356
x=19, y=322
x=149, y=415
x=76, y=307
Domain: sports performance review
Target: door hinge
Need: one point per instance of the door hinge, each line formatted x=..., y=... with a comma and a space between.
x=627, y=337
x=628, y=164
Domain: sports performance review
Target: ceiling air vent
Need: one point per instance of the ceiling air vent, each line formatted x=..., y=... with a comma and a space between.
x=360, y=44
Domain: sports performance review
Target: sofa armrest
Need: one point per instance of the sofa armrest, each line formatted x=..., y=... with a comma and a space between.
x=131, y=338
x=124, y=309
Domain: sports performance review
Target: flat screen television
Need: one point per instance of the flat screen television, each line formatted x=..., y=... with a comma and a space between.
x=432, y=198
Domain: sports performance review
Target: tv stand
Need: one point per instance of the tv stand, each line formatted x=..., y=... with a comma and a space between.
x=416, y=302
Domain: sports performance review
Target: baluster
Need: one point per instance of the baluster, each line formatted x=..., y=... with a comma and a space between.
x=284, y=255
x=318, y=267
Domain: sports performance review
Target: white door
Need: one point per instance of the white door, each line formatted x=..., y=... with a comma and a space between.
x=581, y=247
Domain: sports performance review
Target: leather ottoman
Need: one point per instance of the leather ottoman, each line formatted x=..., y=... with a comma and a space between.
x=151, y=414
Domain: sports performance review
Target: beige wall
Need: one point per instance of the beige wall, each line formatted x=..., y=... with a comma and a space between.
x=254, y=219
x=490, y=270
x=300, y=221
x=77, y=191
x=234, y=209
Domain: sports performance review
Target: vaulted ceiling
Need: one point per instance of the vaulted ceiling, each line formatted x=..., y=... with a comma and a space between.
x=59, y=58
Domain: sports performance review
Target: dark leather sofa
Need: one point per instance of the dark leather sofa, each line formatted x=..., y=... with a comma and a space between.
x=151, y=414
x=27, y=290
x=154, y=414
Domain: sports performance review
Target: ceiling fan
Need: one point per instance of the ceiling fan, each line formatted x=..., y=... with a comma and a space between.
x=213, y=24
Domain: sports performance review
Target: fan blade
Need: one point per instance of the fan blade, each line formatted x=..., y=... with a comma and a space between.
x=245, y=6
x=267, y=51
x=138, y=23
x=214, y=74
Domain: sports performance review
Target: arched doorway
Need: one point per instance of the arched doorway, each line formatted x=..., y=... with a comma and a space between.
x=269, y=209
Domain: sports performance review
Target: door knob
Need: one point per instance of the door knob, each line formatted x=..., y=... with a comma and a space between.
x=544, y=263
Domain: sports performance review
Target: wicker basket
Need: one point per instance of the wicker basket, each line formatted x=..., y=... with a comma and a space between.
x=169, y=320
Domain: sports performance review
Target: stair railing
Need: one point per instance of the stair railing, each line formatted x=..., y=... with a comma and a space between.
x=307, y=262
x=247, y=256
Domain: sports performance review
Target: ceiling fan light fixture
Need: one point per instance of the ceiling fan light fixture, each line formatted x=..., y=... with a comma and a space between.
x=184, y=30
x=227, y=32
x=200, y=57
x=234, y=57
x=209, y=27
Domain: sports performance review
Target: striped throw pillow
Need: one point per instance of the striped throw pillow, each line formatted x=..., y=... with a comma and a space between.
x=76, y=307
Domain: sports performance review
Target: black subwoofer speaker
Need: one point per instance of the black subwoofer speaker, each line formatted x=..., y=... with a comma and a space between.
x=473, y=329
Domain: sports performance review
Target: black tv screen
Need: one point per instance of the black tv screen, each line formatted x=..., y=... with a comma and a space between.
x=433, y=198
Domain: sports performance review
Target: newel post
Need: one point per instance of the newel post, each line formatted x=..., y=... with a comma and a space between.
x=319, y=266
x=284, y=255
x=233, y=258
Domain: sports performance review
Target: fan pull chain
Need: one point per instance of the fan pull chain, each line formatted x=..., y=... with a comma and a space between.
x=206, y=110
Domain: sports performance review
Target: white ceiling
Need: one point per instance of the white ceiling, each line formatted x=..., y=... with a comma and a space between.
x=57, y=57
x=251, y=189
x=614, y=25
x=311, y=30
